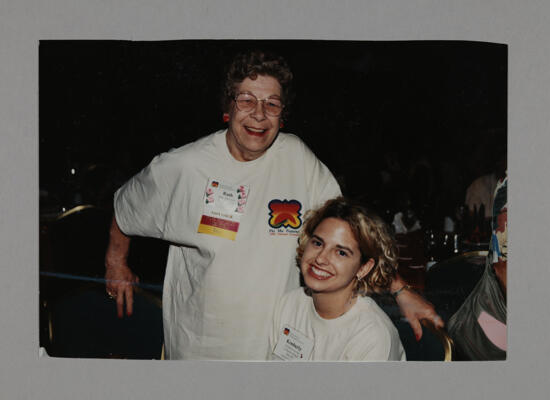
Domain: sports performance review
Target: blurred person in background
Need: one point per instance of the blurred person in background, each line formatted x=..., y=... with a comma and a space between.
x=478, y=328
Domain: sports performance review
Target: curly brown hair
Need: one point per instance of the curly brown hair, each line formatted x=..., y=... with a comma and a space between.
x=254, y=63
x=372, y=234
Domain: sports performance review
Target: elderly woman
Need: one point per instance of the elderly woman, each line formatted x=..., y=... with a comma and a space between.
x=231, y=205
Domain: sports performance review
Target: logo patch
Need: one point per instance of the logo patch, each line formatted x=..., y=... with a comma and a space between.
x=285, y=214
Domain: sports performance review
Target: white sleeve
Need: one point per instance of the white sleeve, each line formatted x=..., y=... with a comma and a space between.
x=139, y=206
x=376, y=348
x=376, y=343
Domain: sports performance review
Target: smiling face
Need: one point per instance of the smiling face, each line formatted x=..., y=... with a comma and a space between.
x=250, y=134
x=332, y=259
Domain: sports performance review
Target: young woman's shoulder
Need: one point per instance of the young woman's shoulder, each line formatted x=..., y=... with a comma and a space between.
x=293, y=308
x=372, y=313
x=376, y=335
x=293, y=298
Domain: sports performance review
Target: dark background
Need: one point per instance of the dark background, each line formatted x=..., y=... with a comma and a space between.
x=400, y=124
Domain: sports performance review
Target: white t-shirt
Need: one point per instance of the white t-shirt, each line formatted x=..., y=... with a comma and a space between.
x=481, y=192
x=363, y=333
x=219, y=294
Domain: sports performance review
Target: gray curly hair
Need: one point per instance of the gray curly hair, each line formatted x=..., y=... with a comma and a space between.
x=254, y=63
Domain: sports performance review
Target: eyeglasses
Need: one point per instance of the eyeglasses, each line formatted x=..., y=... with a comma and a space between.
x=247, y=102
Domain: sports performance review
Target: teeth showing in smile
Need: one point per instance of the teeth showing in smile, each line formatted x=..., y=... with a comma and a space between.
x=255, y=130
x=320, y=272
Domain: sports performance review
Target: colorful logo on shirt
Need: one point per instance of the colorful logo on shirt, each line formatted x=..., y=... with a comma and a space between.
x=285, y=213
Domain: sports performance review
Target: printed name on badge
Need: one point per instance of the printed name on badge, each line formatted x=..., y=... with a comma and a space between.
x=223, y=207
x=293, y=345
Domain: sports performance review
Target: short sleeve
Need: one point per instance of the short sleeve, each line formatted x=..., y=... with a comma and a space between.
x=139, y=208
x=377, y=340
x=372, y=345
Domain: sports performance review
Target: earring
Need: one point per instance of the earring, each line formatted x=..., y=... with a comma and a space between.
x=356, y=288
x=281, y=125
x=225, y=117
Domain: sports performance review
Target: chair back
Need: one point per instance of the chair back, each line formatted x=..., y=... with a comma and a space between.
x=435, y=344
x=78, y=240
x=448, y=283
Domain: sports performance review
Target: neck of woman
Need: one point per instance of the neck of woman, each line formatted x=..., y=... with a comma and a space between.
x=333, y=305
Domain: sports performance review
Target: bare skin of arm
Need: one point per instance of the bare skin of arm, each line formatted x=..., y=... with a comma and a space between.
x=119, y=277
x=414, y=307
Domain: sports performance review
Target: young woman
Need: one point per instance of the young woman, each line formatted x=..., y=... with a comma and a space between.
x=344, y=252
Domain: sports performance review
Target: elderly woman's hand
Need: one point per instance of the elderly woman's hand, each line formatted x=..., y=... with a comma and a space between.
x=120, y=282
x=414, y=308
x=119, y=278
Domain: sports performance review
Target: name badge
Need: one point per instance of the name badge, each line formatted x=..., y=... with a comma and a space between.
x=293, y=345
x=223, y=207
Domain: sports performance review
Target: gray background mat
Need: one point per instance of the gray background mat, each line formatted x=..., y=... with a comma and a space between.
x=521, y=25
